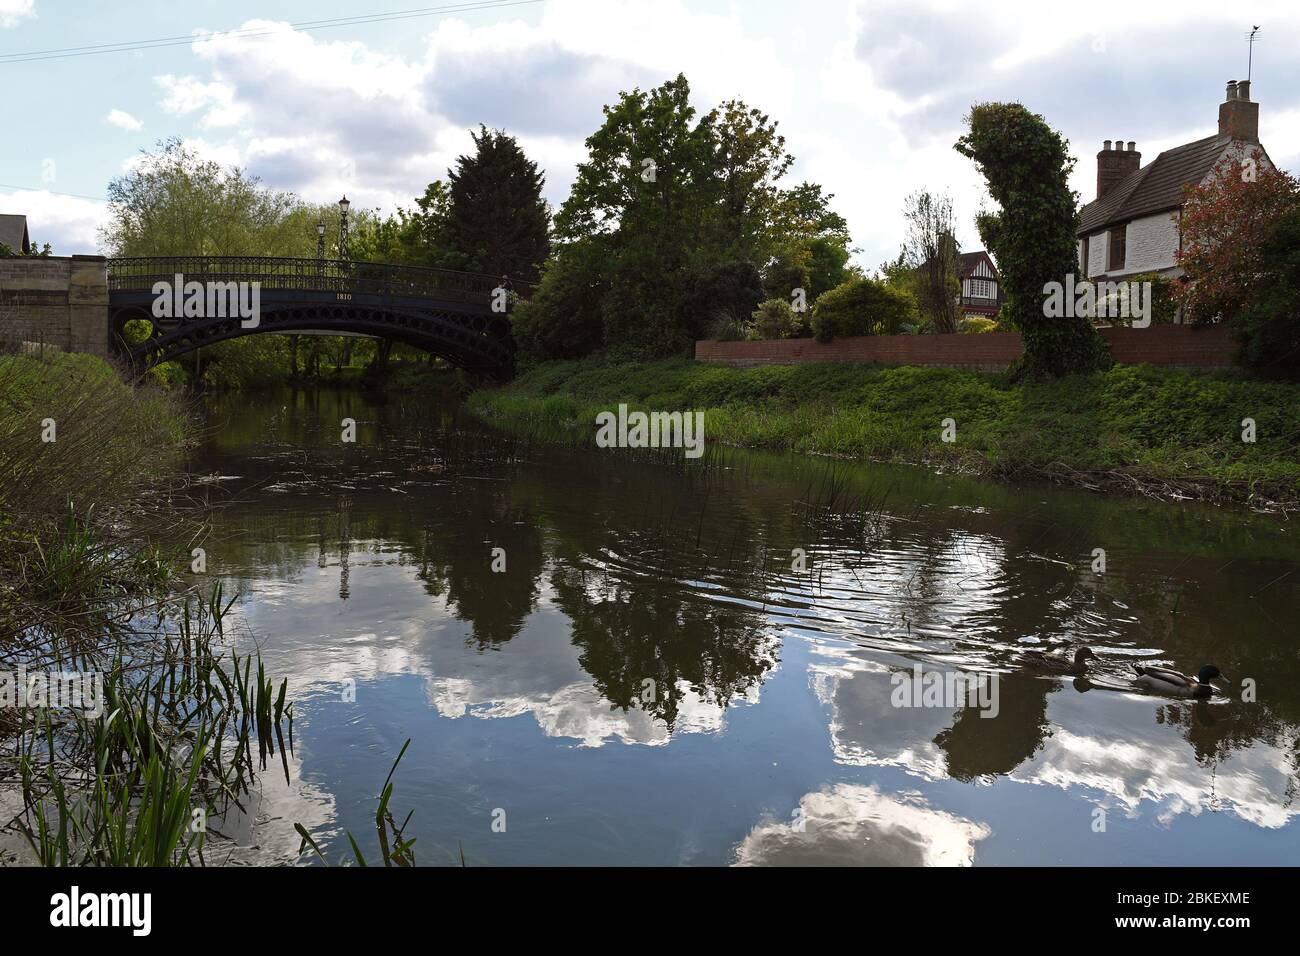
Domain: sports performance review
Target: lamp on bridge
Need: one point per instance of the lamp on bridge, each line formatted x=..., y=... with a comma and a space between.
x=320, y=240
x=343, y=227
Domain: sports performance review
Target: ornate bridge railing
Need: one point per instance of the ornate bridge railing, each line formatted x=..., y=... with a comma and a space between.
x=308, y=275
x=446, y=312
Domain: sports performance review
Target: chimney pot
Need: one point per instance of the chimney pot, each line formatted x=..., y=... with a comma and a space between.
x=1106, y=145
x=1232, y=90
x=1243, y=90
x=1132, y=145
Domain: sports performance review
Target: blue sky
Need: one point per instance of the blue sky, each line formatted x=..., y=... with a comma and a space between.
x=869, y=93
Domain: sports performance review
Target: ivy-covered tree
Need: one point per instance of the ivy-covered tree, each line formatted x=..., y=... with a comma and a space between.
x=1026, y=165
x=496, y=220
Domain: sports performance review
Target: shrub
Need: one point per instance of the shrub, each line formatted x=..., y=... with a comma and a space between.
x=862, y=307
x=1164, y=301
x=776, y=319
x=976, y=324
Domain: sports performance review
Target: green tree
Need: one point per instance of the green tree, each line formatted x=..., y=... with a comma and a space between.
x=496, y=219
x=681, y=205
x=172, y=202
x=1269, y=326
x=748, y=158
x=1026, y=166
x=645, y=189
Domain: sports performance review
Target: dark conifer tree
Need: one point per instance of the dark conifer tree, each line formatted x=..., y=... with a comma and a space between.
x=497, y=220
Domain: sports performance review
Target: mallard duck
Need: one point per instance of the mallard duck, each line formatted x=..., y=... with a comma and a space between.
x=1060, y=662
x=1166, y=680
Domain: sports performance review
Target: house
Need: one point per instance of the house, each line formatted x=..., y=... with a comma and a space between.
x=981, y=288
x=13, y=233
x=1134, y=224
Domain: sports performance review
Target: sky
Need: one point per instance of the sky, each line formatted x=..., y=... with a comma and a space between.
x=870, y=94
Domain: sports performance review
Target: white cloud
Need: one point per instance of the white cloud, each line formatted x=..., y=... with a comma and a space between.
x=187, y=95
x=14, y=11
x=123, y=120
x=870, y=94
x=68, y=223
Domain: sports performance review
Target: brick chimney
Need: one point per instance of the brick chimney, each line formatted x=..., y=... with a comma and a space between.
x=1113, y=165
x=1238, y=116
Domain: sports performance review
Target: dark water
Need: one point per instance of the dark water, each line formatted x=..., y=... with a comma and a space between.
x=649, y=682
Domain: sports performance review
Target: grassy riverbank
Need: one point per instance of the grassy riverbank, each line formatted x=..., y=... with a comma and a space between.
x=1132, y=429
x=118, y=694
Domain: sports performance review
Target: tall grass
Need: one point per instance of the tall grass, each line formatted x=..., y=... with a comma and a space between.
x=91, y=525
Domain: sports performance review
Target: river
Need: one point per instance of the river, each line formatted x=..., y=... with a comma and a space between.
x=703, y=665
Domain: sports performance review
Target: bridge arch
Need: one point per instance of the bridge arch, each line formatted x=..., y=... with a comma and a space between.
x=441, y=311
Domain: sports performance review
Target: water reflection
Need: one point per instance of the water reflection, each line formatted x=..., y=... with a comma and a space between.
x=652, y=607
x=848, y=825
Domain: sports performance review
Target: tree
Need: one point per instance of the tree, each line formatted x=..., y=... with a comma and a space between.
x=812, y=249
x=645, y=191
x=932, y=251
x=748, y=157
x=496, y=219
x=726, y=293
x=1026, y=166
x=172, y=202
x=423, y=232
x=1226, y=222
x=563, y=317
x=1269, y=326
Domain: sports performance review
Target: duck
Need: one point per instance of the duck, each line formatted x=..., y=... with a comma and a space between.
x=1060, y=663
x=1166, y=680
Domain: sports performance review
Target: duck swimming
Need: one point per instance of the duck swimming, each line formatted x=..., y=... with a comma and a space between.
x=1165, y=680
x=1059, y=663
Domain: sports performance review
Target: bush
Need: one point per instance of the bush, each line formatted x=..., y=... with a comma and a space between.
x=1164, y=302
x=862, y=307
x=976, y=324
x=776, y=319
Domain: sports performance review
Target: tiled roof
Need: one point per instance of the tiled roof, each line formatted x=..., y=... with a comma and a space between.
x=967, y=261
x=1156, y=186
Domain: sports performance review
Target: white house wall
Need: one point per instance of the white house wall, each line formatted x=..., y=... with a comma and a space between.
x=1152, y=242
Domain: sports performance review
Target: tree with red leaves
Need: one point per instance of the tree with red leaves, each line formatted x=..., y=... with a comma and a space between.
x=1227, y=221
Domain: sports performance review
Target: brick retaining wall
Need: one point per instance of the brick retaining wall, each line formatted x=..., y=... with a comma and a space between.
x=1184, y=346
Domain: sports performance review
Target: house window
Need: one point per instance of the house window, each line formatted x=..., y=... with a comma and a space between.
x=982, y=289
x=1083, y=258
x=1118, y=243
